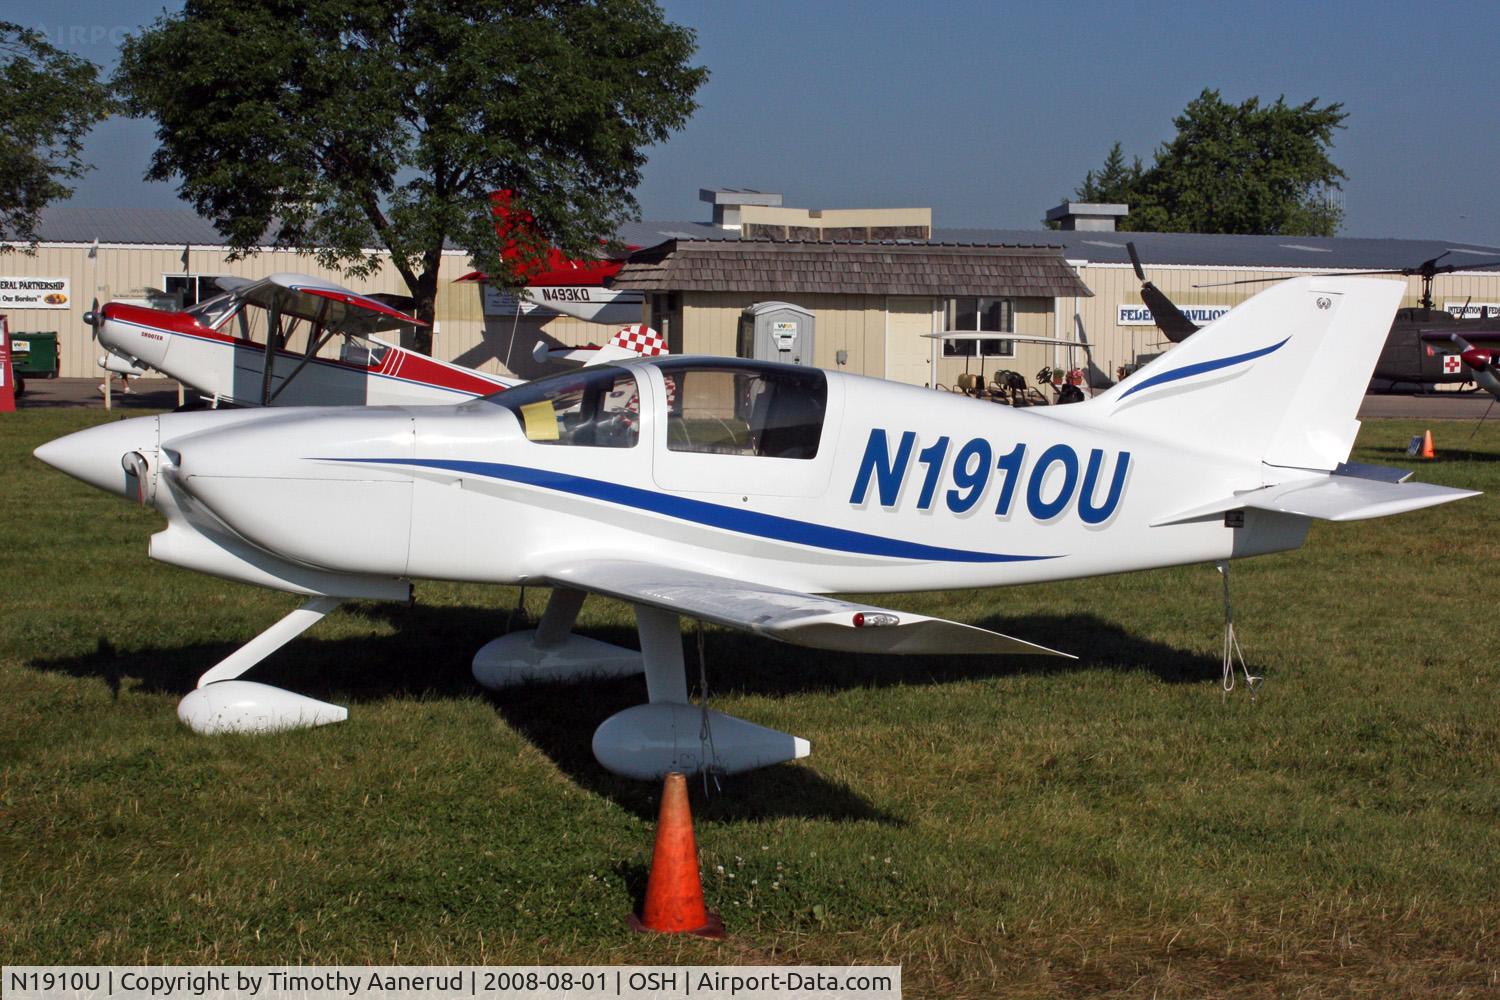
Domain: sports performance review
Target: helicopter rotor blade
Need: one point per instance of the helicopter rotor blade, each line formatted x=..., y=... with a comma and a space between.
x=1135, y=261
x=1431, y=266
x=1406, y=272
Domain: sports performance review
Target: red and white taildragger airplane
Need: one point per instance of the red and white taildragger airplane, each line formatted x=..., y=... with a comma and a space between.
x=324, y=351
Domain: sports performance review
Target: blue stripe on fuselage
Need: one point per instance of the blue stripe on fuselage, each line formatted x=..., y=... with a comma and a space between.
x=745, y=522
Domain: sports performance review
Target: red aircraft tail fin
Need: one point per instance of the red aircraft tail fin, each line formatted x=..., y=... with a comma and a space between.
x=535, y=262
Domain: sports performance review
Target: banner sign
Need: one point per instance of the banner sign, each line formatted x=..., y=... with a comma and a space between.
x=453, y=982
x=1472, y=311
x=34, y=293
x=1141, y=316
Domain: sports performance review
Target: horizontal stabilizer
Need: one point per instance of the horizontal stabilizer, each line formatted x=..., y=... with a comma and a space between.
x=1329, y=498
x=801, y=619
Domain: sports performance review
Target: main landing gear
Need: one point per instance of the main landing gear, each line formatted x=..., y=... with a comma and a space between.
x=669, y=733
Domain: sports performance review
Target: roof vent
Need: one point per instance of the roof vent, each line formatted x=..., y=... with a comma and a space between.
x=1087, y=216
x=728, y=201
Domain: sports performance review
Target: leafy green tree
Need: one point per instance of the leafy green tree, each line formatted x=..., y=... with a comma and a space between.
x=1112, y=184
x=50, y=100
x=1232, y=168
x=353, y=126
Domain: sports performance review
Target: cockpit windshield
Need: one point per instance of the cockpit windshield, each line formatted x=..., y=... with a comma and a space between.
x=211, y=312
x=743, y=408
x=595, y=407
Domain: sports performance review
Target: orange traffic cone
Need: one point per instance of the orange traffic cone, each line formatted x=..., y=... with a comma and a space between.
x=674, y=890
x=1427, y=449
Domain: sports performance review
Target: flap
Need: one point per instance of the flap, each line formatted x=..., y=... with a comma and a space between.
x=801, y=619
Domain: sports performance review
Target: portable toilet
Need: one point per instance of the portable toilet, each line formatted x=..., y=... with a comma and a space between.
x=776, y=331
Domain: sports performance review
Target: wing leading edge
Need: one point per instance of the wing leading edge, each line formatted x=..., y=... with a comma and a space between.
x=801, y=619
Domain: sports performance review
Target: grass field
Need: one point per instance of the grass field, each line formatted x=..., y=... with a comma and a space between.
x=999, y=827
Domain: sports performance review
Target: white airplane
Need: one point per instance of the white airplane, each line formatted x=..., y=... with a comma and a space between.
x=740, y=492
x=220, y=346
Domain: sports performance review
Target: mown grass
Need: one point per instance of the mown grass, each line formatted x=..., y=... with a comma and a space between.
x=999, y=827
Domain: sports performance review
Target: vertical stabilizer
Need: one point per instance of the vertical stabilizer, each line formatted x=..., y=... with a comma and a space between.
x=1277, y=379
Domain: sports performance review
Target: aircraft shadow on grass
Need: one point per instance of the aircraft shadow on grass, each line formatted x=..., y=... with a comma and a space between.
x=429, y=652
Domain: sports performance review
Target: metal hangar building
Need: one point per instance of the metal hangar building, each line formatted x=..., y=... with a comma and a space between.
x=873, y=281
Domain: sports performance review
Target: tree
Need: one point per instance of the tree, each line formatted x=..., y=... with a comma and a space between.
x=1112, y=184
x=1243, y=168
x=51, y=100
x=347, y=127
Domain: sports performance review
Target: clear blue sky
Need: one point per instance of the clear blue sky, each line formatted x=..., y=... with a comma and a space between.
x=991, y=112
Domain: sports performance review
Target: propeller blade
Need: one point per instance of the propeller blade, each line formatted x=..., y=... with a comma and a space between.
x=134, y=464
x=1169, y=319
x=92, y=318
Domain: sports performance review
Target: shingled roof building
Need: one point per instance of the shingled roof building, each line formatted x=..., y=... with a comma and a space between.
x=873, y=301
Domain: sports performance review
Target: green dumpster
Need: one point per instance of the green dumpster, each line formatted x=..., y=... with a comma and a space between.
x=34, y=355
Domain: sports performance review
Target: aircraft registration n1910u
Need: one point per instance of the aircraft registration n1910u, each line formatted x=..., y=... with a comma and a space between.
x=739, y=492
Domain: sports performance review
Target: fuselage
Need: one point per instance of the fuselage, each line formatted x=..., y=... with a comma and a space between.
x=791, y=477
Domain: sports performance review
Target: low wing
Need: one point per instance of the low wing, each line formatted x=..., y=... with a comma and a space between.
x=319, y=301
x=801, y=619
x=1331, y=498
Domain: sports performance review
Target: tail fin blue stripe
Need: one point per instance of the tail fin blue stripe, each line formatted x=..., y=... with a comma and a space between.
x=1188, y=371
